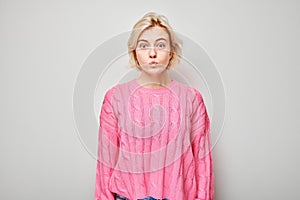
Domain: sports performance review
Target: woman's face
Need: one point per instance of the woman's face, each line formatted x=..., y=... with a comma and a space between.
x=153, y=50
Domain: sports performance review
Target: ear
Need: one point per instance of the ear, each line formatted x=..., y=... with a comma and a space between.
x=171, y=55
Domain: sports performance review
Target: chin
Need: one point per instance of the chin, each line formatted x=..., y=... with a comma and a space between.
x=162, y=67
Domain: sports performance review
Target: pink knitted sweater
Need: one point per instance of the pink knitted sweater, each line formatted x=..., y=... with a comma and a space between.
x=154, y=142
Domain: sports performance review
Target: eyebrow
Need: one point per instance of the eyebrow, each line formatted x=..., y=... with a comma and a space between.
x=155, y=40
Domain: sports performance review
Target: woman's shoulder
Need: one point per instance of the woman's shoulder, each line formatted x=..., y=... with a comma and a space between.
x=118, y=89
x=112, y=88
x=191, y=91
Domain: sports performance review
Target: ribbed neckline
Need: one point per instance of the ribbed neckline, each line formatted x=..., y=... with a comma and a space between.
x=160, y=89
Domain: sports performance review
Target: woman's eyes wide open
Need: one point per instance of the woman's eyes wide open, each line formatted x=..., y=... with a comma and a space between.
x=159, y=45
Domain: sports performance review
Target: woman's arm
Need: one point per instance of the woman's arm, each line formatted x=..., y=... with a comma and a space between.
x=108, y=144
x=202, y=150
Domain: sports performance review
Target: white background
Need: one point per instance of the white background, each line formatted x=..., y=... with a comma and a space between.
x=255, y=46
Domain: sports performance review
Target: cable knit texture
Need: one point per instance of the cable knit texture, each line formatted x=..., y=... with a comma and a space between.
x=154, y=142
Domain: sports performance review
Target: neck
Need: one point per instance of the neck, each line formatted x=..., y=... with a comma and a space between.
x=154, y=81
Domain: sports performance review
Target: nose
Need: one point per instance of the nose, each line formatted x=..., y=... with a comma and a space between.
x=152, y=53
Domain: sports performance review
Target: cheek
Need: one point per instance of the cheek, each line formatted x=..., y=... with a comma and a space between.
x=165, y=56
x=141, y=57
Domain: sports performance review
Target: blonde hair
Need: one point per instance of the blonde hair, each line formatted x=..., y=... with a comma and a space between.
x=149, y=20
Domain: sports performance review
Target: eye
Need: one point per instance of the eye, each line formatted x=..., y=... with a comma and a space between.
x=143, y=46
x=161, y=45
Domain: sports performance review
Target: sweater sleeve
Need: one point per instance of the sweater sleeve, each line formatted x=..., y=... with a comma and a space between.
x=108, y=144
x=202, y=151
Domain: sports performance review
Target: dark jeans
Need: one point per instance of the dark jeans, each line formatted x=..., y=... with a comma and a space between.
x=120, y=197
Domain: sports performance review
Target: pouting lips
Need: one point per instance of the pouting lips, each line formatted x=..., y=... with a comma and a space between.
x=153, y=63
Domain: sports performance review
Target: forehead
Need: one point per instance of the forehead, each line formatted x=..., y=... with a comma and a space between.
x=153, y=33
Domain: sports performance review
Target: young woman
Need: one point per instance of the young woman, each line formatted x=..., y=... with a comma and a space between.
x=154, y=134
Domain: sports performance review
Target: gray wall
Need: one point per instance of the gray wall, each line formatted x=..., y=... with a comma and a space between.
x=254, y=45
